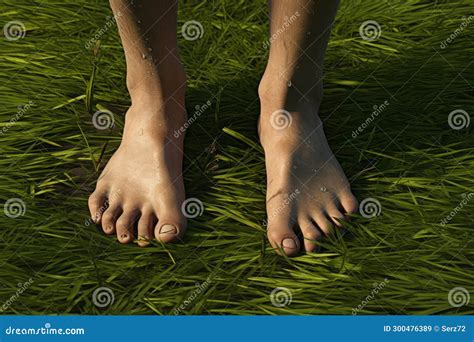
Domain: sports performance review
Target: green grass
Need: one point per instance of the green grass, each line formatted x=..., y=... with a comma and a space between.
x=409, y=159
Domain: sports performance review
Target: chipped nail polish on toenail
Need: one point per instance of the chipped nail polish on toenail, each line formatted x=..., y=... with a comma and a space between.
x=288, y=243
x=168, y=229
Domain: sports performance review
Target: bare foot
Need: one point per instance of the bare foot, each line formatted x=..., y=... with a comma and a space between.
x=306, y=187
x=142, y=185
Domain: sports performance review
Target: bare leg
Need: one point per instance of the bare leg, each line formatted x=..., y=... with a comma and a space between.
x=142, y=181
x=306, y=187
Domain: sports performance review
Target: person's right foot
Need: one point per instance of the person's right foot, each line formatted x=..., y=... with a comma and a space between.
x=142, y=185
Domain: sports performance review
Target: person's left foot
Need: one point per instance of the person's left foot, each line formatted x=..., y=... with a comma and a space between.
x=306, y=186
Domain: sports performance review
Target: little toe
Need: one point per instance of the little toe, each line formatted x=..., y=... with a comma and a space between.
x=109, y=219
x=349, y=203
x=145, y=229
x=97, y=205
x=283, y=239
x=125, y=225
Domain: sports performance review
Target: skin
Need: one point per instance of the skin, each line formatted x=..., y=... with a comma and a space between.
x=297, y=156
x=142, y=184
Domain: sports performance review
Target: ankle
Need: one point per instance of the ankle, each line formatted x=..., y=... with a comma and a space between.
x=291, y=89
x=163, y=81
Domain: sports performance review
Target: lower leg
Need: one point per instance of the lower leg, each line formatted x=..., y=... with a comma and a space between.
x=142, y=185
x=306, y=187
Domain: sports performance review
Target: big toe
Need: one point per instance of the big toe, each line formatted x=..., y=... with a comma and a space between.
x=283, y=239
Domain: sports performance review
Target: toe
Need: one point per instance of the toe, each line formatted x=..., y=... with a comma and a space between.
x=145, y=229
x=169, y=230
x=109, y=219
x=349, y=203
x=125, y=225
x=336, y=217
x=311, y=235
x=323, y=223
x=97, y=205
x=283, y=239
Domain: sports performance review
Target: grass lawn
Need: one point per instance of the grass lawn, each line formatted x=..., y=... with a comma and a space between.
x=408, y=158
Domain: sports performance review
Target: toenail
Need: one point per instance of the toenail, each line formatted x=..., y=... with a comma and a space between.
x=124, y=236
x=289, y=243
x=168, y=229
